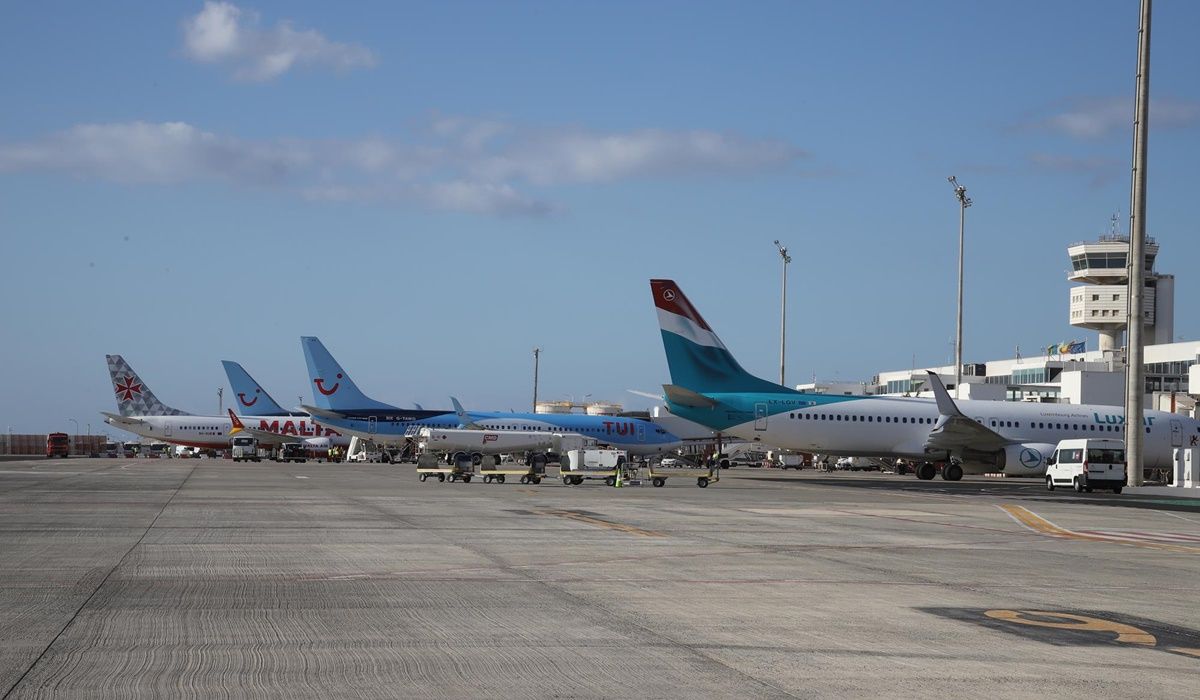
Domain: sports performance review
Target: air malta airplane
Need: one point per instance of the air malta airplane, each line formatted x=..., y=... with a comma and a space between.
x=342, y=405
x=711, y=388
x=140, y=412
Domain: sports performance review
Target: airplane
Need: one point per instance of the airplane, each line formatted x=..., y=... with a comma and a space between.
x=140, y=412
x=711, y=388
x=341, y=404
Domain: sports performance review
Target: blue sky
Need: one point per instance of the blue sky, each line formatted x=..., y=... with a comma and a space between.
x=436, y=188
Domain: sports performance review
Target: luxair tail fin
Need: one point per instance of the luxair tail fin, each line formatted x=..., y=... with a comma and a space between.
x=253, y=400
x=332, y=387
x=134, y=398
x=696, y=357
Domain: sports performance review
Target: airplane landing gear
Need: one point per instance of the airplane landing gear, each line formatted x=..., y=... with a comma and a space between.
x=952, y=472
x=926, y=471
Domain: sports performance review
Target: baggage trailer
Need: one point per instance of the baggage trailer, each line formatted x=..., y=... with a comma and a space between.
x=596, y=463
x=531, y=475
x=428, y=468
x=703, y=477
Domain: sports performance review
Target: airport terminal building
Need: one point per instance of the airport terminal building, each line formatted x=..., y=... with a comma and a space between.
x=1069, y=373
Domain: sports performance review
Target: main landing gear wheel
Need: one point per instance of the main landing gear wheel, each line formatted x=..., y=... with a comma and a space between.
x=1049, y=483
x=926, y=471
x=952, y=472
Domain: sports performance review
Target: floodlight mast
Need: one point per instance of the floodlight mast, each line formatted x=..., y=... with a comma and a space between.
x=963, y=202
x=783, y=254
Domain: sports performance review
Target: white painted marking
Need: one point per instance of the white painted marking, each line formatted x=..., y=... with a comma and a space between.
x=301, y=477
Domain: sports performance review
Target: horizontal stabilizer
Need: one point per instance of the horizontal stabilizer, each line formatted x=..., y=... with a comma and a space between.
x=321, y=412
x=116, y=419
x=686, y=397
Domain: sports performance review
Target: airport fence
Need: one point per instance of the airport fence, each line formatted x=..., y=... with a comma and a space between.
x=34, y=444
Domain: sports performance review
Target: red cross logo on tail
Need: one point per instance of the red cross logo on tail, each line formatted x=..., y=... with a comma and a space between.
x=128, y=389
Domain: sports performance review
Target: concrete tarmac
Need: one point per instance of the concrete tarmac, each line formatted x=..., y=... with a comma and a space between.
x=131, y=578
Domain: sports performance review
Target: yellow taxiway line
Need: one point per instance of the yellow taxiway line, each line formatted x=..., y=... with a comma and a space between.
x=1037, y=523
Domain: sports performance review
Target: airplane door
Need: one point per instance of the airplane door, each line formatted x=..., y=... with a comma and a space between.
x=760, y=416
x=371, y=422
x=1176, y=433
x=641, y=432
x=167, y=428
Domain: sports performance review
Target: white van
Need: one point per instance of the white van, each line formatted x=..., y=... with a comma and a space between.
x=1087, y=464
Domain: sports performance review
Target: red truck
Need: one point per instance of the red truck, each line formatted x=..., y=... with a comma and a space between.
x=58, y=445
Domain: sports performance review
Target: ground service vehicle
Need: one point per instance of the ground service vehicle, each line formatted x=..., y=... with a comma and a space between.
x=111, y=449
x=1085, y=464
x=292, y=452
x=245, y=449
x=596, y=463
x=58, y=445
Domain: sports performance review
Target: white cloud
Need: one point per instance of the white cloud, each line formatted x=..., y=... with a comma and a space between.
x=1101, y=170
x=583, y=156
x=459, y=164
x=224, y=33
x=1092, y=118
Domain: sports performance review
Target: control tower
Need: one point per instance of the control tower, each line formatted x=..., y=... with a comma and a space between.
x=1099, y=302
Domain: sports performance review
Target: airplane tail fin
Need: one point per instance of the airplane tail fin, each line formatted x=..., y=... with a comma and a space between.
x=332, y=387
x=253, y=400
x=134, y=398
x=696, y=357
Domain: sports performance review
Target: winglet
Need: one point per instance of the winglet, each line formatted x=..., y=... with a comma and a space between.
x=463, y=418
x=237, y=426
x=945, y=404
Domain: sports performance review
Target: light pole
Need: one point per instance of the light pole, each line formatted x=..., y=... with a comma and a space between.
x=76, y=435
x=537, y=353
x=1135, y=370
x=783, y=254
x=220, y=400
x=963, y=202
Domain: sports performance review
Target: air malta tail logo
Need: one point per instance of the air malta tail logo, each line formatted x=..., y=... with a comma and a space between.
x=126, y=388
x=251, y=402
x=330, y=391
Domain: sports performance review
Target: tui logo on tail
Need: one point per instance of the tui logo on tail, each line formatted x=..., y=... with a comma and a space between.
x=321, y=386
x=248, y=404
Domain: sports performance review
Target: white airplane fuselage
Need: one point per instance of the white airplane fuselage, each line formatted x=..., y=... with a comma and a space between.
x=899, y=427
x=213, y=431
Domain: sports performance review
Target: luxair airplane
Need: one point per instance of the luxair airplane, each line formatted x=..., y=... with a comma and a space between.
x=711, y=388
x=140, y=412
x=342, y=405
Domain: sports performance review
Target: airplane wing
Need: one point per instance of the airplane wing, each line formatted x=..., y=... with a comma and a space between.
x=265, y=437
x=954, y=430
x=656, y=397
x=117, y=419
x=466, y=420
